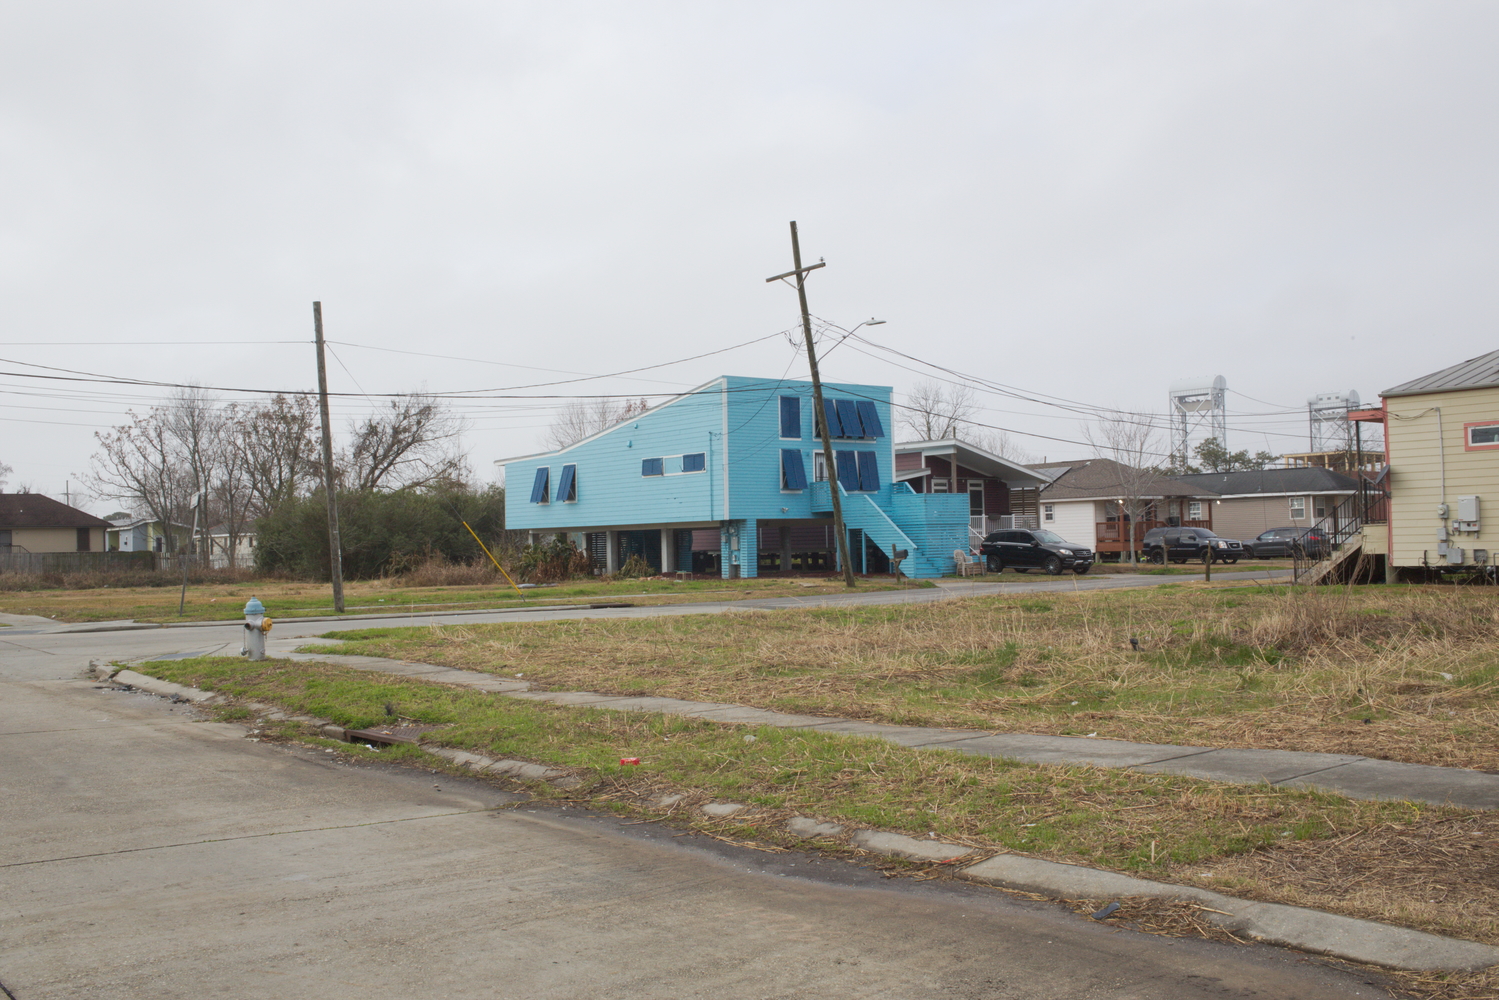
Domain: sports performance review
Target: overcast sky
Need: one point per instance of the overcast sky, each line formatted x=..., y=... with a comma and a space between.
x=1084, y=199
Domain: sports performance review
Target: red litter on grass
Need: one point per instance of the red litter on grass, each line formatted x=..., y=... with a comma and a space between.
x=629, y=760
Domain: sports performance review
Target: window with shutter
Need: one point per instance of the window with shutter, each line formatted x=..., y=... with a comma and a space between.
x=848, y=469
x=870, y=418
x=653, y=466
x=848, y=416
x=793, y=472
x=869, y=472
x=567, y=486
x=695, y=463
x=540, y=485
x=791, y=417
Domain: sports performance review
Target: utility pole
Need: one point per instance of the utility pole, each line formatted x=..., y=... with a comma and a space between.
x=335, y=550
x=820, y=413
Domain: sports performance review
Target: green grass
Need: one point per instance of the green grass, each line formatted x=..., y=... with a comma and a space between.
x=1090, y=815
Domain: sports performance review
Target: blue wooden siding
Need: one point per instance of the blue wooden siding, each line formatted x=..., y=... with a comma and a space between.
x=608, y=481
x=754, y=442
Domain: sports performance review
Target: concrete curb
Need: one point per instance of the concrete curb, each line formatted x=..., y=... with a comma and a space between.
x=164, y=688
x=1315, y=931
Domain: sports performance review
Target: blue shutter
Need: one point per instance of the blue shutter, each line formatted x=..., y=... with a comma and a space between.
x=869, y=471
x=539, y=487
x=695, y=463
x=848, y=469
x=870, y=418
x=848, y=416
x=830, y=413
x=567, y=485
x=653, y=466
x=793, y=472
x=791, y=417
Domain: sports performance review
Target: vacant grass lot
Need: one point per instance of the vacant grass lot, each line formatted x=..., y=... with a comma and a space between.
x=1249, y=841
x=1404, y=673
x=213, y=602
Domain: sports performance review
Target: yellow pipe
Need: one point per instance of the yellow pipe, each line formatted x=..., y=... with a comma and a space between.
x=496, y=562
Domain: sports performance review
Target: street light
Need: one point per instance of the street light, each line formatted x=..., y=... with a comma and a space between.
x=849, y=333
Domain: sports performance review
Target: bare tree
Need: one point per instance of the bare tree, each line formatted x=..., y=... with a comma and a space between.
x=138, y=464
x=1130, y=443
x=5, y=472
x=997, y=442
x=415, y=441
x=935, y=411
x=582, y=418
x=277, y=450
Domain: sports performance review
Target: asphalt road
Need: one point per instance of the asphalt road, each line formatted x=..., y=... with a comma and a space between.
x=147, y=853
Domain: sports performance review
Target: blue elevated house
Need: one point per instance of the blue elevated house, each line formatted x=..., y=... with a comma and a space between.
x=729, y=477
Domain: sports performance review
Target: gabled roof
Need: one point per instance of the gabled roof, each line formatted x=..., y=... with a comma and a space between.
x=34, y=510
x=972, y=456
x=1105, y=479
x=1271, y=482
x=1481, y=372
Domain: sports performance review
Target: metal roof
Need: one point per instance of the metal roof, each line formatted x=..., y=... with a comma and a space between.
x=1481, y=372
x=977, y=459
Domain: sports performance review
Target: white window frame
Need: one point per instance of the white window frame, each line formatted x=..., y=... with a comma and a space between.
x=819, y=467
x=1298, y=508
x=1194, y=510
x=1049, y=513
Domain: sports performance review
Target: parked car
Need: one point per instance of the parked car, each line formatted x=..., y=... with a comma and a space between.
x=1190, y=545
x=1280, y=542
x=1023, y=551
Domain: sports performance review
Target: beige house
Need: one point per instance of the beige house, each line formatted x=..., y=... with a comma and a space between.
x=1254, y=501
x=33, y=523
x=1442, y=446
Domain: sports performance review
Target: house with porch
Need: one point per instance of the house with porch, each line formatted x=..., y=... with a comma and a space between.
x=730, y=478
x=1000, y=493
x=1089, y=502
x=1254, y=501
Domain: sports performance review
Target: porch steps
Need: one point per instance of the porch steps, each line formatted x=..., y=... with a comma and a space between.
x=862, y=513
x=1326, y=571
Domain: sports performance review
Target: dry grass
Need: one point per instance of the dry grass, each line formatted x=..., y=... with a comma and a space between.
x=222, y=597
x=1404, y=673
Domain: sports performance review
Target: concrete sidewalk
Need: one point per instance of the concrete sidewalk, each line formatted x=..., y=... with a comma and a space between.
x=1346, y=774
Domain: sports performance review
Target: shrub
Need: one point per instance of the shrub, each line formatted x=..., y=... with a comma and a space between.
x=383, y=533
x=549, y=562
x=634, y=568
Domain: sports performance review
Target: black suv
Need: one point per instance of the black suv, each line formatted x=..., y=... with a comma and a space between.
x=1190, y=545
x=1023, y=550
x=1312, y=542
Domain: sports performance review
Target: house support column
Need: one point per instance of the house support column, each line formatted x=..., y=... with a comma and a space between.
x=728, y=550
x=785, y=549
x=749, y=548
x=611, y=557
x=668, y=549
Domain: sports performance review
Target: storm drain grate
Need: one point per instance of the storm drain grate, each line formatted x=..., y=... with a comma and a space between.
x=389, y=735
